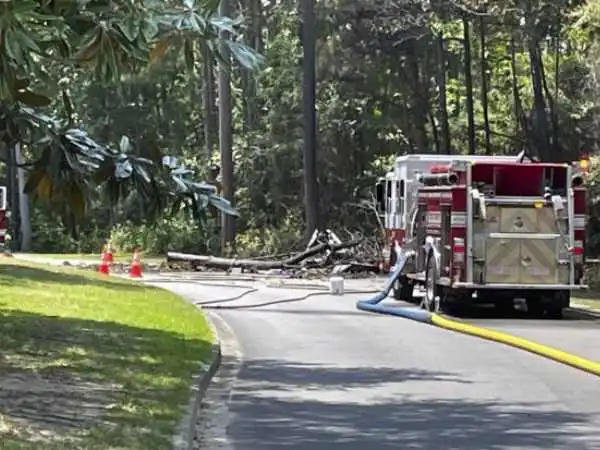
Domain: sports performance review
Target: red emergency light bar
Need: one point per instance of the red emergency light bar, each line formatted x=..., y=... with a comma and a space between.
x=440, y=168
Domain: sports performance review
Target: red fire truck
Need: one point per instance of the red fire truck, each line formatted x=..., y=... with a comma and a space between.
x=483, y=229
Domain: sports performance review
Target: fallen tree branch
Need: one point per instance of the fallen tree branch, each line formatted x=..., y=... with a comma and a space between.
x=228, y=263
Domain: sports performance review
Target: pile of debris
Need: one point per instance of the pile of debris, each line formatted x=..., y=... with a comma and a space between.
x=324, y=254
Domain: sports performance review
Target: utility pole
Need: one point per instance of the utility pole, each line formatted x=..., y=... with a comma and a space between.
x=226, y=135
x=311, y=187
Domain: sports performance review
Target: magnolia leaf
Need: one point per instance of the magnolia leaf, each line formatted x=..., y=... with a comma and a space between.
x=159, y=49
x=205, y=187
x=123, y=170
x=68, y=106
x=247, y=57
x=124, y=145
x=142, y=172
x=33, y=181
x=32, y=99
x=223, y=205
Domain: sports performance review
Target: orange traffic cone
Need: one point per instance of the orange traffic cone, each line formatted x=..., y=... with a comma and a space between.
x=135, y=271
x=103, y=268
x=109, y=252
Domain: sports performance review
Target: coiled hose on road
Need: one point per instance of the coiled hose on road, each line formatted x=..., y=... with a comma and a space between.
x=373, y=304
x=218, y=304
x=222, y=302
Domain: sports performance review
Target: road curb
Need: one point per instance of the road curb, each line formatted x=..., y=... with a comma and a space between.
x=554, y=354
x=588, y=312
x=183, y=438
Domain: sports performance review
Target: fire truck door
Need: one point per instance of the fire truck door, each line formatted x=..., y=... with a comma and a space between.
x=420, y=235
x=388, y=205
x=445, y=249
x=400, y=204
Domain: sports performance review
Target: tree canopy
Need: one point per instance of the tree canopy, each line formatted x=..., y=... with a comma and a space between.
x=462, y=76
x=45, y=45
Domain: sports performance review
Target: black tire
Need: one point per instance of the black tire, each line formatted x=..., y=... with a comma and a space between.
x=559, y=302
x=431, y=301
x=535, y=306
x=393, y=256
x=555, y=312
x=505, y=307
x=403, y=289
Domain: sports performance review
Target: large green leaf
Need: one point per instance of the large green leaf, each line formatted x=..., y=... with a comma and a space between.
x=223, y=205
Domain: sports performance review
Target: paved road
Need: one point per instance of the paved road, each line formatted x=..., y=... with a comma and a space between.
x=574, y=334
x=318, y=374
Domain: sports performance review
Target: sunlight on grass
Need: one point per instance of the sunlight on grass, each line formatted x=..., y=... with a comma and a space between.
x=587, y=302
x=91, y=362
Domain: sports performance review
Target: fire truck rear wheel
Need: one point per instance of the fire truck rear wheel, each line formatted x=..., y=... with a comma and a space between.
x=558, y=303
x=535, y=305
x=431, y=300
x=403, y=289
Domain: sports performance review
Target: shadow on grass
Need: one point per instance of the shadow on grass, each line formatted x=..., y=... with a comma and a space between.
x=59, y=375
x=283, y=405
x=14, y=275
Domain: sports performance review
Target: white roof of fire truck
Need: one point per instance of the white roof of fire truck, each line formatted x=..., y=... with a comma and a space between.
x=435, y=158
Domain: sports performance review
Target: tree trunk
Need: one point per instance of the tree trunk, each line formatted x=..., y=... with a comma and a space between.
x=484, y=88
x=13, y=199
x=226, y=138
x=24, y=217
x=311, y=188
x=442, y=101
x=208, y=99
x=419, y=101
x=253, y=38
x=540, y=118
x=520, y=122
x=228, y=263
x=469, y=84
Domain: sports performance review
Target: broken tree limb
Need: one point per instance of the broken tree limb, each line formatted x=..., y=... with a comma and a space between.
x=227, y=263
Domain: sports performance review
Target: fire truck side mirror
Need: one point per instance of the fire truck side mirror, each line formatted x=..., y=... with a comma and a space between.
x=380, y=196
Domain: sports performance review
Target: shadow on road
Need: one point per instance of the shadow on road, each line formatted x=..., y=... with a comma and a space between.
x=286, y=375
x=489, y=312
x=277, y=408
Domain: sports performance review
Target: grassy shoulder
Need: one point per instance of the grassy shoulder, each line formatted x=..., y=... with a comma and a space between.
x=588, y=302
x=92, y=363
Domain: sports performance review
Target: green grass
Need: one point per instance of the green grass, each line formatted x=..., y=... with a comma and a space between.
x=92, y=363
x=592, y=303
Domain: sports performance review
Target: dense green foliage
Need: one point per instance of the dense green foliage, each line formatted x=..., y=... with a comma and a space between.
x=48, y=46
x=393, y=77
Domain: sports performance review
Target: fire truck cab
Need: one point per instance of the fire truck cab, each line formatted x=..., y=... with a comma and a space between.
x=485, y=229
